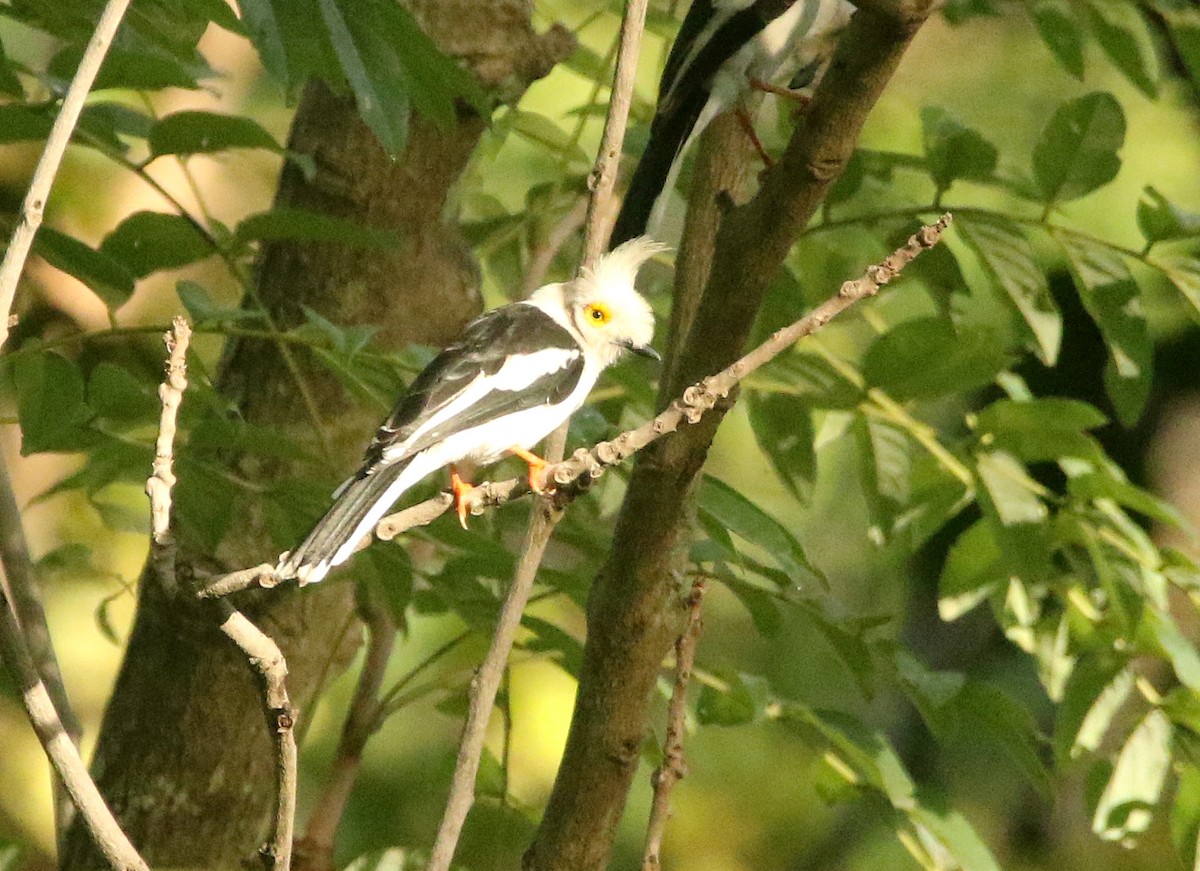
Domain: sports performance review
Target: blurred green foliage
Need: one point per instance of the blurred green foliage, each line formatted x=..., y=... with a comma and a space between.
x=943, y=628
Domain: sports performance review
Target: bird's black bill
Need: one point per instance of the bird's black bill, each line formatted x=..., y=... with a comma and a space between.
x=643, y=351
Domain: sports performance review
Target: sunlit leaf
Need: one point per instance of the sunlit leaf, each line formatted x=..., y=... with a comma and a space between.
x=742, y=702
x=971, y=573
x=1009, y=259
x=1077, y=152
x=1039, y=429
x=1159, y=219
x=926, y=357
x=954, y=150
x=1126, y=806
x=1113, y=299
x=741, y=516
x=1012, y=493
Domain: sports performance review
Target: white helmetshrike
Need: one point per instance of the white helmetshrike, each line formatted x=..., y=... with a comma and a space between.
x=723, y=47
x=516, y=373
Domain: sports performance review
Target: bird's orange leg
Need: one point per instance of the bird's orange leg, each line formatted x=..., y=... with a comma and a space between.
x=537, y=466
x=460, y=488
x=747, y=125
x=786, y=93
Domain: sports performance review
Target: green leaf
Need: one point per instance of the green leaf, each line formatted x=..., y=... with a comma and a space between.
x=111, y=280
x=377, y=78
x=1012, y=493
x=1095, y=692
x=115, y=394
x=10, y=85
x=1036, y=430
x=1059, y=28
x=971, y=573
x=741, y=516
x=1100, y=485
x=542, y=131
x=1185, y=814
x=10, y=857
x=1125, y=808
x=1077, y=152
x=954, y=150
x=1113, y=300
x=200, y=306
x=1184, y=273
x=50, y=404
x=297, y=224
x=783, y=429
x=1179, y=649
x=984, y=715
x=1125, y=37
x=926, y=358
x=1008, y=258
x=390, y=859
x=815, y=381
x=1158, y=218
x=147, y=242
x=133, y=69
x=743, y=702
x=194, y=132
x=762, y=607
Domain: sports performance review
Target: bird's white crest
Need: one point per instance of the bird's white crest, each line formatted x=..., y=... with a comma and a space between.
x=609, y=282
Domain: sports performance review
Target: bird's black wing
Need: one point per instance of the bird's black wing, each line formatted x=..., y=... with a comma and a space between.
x=488, y=342
x=682, y=93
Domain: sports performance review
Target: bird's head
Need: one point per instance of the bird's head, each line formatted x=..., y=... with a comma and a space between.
x=608, y=313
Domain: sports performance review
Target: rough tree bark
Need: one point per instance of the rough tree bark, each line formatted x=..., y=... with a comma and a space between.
x=637, y=605
x=183, y=757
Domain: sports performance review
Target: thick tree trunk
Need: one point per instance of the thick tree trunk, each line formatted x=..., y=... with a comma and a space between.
x=637, y=605
x=183, y=756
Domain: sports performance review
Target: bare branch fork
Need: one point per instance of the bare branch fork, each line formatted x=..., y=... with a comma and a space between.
x=573, y=476
x=673, y=767
x=262, y=652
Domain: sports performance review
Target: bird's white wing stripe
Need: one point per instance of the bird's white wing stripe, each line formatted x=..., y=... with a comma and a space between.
x=518, y=372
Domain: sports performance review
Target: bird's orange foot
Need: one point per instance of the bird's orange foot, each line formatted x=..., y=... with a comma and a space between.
x=537, y=469
x=747, y=125
x=461, y=489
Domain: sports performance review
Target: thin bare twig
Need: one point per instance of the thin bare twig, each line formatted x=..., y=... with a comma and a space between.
x=63, y=755
x=544, y=254
x=576, y=474
x=26, y=598
x=52, y=154
x=266, y=658
x=546, y=514
x=260, y=650
x=673, y=767
x=314, y=852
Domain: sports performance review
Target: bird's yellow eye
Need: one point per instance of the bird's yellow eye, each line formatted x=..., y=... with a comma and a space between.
x=597, y=314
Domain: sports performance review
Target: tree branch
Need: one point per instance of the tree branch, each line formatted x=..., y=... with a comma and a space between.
x=314, y=852
x=575, y=475
x=26, y=598
x=64, y=755
x=635, y=606
x=264, y=655
x=52, y=154
x=546, y=514
x=673, y=767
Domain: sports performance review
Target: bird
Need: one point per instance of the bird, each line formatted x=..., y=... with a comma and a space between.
x=514, y=375
x=724, y=48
